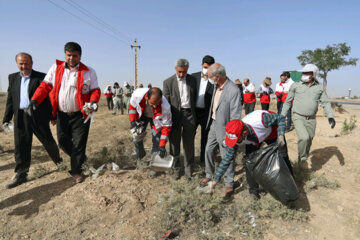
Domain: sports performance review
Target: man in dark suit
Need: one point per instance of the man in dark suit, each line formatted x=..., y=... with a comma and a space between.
x=22, y=86
x=180, y=91
x=204, y=95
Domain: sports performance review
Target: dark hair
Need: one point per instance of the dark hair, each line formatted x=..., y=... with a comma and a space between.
x=72, y=47
x=116, y=83
x=23, y=53
x=285, y=74
x=154, y=90
x=208, y=59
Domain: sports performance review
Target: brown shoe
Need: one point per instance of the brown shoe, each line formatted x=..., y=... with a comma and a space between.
x=229, y=191
x=204, y=182
x=78, y=178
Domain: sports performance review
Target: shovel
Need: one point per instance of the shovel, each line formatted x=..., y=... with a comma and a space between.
x=161, y=164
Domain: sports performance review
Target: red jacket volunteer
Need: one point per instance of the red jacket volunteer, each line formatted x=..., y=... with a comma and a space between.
x=162, y=113
x=87, y=89
x=249, y=93
x=283, y=88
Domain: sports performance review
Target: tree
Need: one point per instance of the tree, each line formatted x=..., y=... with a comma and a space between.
x=328, y=59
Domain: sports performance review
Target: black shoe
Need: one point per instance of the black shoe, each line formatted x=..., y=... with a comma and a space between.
x=17, y=181
x=141, y=155
x=176, y=174
x=188, y=172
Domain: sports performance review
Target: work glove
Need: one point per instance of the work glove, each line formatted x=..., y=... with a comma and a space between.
x=89, y=108
x=281, y=141
x=162, y=152
x=133, y=124
x=7, y=127
x=137, y=130
x=31, y=108
x=332, y=122
x=94, y=106
x=280, y=95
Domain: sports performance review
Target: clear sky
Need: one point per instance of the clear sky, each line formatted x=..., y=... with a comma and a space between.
x=251, y=39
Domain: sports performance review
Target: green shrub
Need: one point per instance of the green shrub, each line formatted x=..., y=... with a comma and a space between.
x=349, y=126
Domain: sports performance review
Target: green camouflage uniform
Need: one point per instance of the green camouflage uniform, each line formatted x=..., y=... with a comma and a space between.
x=118, y=100
x=304, y=108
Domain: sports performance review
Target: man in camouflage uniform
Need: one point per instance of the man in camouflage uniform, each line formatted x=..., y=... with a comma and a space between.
x=306, y=96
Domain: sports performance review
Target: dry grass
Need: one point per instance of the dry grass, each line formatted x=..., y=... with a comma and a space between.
x=191, y=214
x=319, y=180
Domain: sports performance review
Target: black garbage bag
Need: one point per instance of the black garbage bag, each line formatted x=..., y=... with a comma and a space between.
x=269, y=170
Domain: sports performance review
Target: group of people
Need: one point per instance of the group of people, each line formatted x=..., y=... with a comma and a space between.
x=68, y=95
x=210, y=99
x=118, y=98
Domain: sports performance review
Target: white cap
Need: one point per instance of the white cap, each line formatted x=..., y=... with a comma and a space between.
x=125, y=84
x=310, y=68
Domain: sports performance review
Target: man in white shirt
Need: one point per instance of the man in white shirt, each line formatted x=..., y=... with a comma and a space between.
x=281, y=91
x=249, y=96
x=74, y=93
x=204, y=95
x=180, y=91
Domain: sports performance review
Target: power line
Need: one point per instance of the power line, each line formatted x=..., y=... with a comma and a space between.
x=98, y=20
x=96, y=27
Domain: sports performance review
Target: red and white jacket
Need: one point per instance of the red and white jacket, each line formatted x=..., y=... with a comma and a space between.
x=108, y=93
x=250, y=96
x=162, y=113
x=86, y=92
x=255, y=121
x=265, y=98
x=283, y=88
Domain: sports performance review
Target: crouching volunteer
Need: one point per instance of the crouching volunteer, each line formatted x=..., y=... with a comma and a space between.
x=74, y=93
x=149, y=106
x=254, y=129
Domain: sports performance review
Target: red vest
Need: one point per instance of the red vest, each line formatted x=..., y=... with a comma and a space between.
x=158, y=111
x=264, y=98
x=46, y=89
x=249, y=98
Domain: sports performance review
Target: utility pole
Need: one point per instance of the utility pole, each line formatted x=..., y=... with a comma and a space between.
x=136, y=68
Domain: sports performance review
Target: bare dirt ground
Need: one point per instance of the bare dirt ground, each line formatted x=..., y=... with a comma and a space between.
x=122, y=204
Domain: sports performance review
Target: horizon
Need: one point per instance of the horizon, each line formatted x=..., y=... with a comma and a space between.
x=251, y=39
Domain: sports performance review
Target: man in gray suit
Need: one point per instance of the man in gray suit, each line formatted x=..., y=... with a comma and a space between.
x=180, y=91
x=225, y=106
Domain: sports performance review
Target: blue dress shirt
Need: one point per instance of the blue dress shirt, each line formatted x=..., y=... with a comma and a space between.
x=24, y=91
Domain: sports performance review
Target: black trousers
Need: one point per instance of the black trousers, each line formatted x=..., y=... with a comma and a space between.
x=110, y=103
x=201, y=118
x=183, y=128
x=265, y=106
x=23, y=134
x=249, y=107
x=253, y=186
x=72, y=135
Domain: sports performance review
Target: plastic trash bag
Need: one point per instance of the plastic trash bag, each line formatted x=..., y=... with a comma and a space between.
x=269, y=170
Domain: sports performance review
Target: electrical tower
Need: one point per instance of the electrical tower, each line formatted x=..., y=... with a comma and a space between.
x=136, y=68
